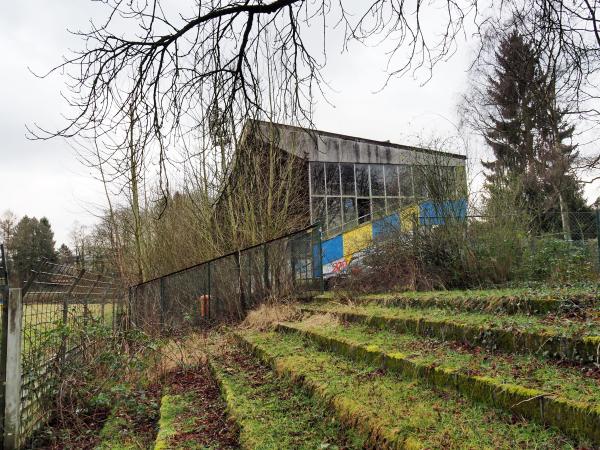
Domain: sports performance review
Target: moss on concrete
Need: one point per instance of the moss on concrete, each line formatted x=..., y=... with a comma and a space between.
x=541, y=300
x=509, y=334
x=574, y=418
x=395, y=413
x=275, y=414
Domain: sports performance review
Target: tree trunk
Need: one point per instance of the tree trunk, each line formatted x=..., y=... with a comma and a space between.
x=564, y=216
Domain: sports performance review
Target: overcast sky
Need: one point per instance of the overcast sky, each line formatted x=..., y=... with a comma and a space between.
x=44, y=178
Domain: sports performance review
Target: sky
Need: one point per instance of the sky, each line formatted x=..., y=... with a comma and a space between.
x=45, y=178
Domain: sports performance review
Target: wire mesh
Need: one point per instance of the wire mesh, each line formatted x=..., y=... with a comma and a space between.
x=60, y=302
x=224, y=288
x=3, y=332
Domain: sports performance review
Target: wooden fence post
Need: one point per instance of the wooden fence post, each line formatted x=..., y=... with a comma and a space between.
x=12, y=416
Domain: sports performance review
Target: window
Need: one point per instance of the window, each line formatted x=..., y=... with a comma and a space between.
x=377, y=180
x=347, y=179
x=333, y=178
x=318, y=210
x=349, y=209
x=378, y=207
x=406, y=182
x=362, y=180
x=334, y=213
x=391, y=181
x=420, y=181
x=392, y=204
x=363, y=207
x=317, y=178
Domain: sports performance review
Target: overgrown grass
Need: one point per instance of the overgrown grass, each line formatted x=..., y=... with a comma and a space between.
x=273, y=413
x=526, y=370
x=435, y=418
x=552, y=325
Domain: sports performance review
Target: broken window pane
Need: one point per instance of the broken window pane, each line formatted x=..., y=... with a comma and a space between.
x=347, y=179
x=333, y=178
x=377, y=180
x=363, y=206
x=317, y=178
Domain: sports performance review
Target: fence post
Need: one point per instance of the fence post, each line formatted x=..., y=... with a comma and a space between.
x=321, y=270
x=162, y=303
x=12, y=400
x=238, y=263
x=3, y=350
x=598, y=234
x=266, y=267
x=210, y=299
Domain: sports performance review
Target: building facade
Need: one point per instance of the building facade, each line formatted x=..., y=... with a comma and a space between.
x=353, y=180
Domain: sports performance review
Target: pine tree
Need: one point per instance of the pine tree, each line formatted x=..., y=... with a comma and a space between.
x=529, y=137
x=32, y=241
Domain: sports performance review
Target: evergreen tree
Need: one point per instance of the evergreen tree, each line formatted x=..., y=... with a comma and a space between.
x=32, y=241
x=65, y=255
x=530, y=138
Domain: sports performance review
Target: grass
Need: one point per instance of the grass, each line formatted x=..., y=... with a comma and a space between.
x=513, y=300
x=435, y=418
x=174, y=419
x=273, y=413
x=559, y=327
x=539, y=292
x=130, y=425
x=533, y=372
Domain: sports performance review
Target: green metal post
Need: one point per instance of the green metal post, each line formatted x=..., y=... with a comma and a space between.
x=321, y=271
x=598, y=234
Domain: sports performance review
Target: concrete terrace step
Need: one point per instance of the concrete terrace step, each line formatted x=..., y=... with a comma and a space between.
x=394, y=412
x=575, y=413
x=575, y=342
x=193, y=414
x=508, y=301
x=271, y=412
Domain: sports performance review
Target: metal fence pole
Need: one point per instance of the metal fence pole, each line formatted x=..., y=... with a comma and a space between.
x=598, y=234
x=266, y=267
x=12, y=417
x=162, y=303
x=238, y=264
x=3, y=351
x=321, y=270
x=210, y=299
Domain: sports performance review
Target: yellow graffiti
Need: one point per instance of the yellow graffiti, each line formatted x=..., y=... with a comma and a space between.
x=357, y=240
x=408, y=217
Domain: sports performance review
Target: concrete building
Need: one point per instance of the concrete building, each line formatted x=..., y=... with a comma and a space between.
x=354, y=180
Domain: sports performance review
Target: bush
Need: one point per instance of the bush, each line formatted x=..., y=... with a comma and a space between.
x=557, y=261
x=468, y=254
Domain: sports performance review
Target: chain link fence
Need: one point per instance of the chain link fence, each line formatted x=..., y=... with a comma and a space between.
x=224, y=288
x=44, y=330
x=3, y=335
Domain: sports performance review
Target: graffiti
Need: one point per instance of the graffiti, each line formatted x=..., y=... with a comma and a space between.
x=339, y=266
x=351, y=245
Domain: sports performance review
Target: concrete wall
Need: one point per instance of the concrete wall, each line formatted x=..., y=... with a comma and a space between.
x=331, y=147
